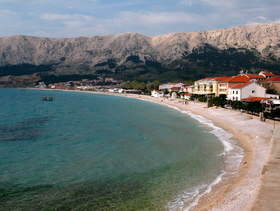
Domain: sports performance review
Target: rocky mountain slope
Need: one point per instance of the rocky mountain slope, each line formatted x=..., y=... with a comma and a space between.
x=135, y=56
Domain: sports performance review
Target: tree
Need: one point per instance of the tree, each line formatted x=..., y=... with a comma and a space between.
x=218, y=101
x=237, y=105
x=124, y=85
x=137, y=85
x=271, y=91
x=153, y=85
x=254, y=107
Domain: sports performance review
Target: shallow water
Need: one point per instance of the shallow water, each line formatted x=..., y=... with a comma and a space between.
x=87, y=151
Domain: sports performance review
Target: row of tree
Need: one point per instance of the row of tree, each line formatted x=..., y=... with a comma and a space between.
x=250, y=107
x=145, y=87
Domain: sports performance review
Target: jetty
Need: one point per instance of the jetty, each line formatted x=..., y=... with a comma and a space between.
x=48, y=98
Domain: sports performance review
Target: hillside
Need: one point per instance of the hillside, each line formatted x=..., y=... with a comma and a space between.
x=176, y=56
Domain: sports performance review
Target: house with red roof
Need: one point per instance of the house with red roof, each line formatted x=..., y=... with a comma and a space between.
x=186, y=88
x=228, y=82
x=254, y=99
x=186, y=96
x=255, y=77
x=169, y=86
x=209, y=86
x=272, y=83
x=245, y=90
x=267, y=74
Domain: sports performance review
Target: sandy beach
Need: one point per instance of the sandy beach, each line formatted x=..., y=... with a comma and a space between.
x=236, y=191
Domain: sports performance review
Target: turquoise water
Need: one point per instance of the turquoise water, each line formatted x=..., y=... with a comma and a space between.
x=85, y=151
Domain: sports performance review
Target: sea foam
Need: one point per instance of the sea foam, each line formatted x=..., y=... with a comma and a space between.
x=233, y=156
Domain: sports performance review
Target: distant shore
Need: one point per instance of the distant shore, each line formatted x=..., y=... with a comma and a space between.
x=237, y=192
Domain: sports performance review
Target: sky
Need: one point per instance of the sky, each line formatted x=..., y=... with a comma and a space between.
x=73, y=18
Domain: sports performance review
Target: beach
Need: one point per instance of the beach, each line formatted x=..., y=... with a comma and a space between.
x=237, y=191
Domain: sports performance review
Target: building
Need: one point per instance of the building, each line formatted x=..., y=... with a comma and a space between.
x=185, y=88
x=209, y=86
x=174, y=95
x=272, y=83
x=156, y=93
x=41, y=85
x=271, y=104
x=267, y=74
x=254, y=99
x=169, y=86
x=185, y=96
x=254, y=77
x=228, y=82
x=246, y=90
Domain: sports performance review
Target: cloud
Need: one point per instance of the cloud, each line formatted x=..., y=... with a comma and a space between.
x=155, y=18
x=65, y=17
x=187, y=2
x=7, y=12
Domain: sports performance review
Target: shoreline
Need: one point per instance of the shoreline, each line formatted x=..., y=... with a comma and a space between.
x=239, y=191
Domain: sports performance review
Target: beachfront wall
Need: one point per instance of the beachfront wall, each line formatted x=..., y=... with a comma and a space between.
x=246, y=90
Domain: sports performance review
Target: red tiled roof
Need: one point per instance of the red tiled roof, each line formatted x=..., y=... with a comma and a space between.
x=237, y=79
x=276, y=78
x=205, y=79
x=175, y=88
x=266, y=73
x=187, y=94
x=221, y=78
x=215, y=78
x=254, y=76
x=186, y=85
x=254, y=99
x=239, y=86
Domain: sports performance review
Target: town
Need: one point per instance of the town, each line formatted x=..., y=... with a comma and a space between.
x=263, y=88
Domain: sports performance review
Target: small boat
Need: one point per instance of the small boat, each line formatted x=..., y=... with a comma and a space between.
x=48, y=98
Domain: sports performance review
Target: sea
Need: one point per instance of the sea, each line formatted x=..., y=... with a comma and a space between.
x=85, y=151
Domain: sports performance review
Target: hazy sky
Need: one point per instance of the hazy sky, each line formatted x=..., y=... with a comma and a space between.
x=70, y=18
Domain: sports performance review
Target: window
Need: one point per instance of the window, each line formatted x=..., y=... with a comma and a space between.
x=237, y=92
x=232, y=92
x=253, y=91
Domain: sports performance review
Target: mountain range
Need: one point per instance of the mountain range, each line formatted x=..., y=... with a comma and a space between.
x=133, y=56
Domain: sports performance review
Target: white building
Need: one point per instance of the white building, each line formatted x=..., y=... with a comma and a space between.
x=249, y=89
x=115, y=90
x=169, y=86
x=174, y=95
x=156, y=93
x=186, y=96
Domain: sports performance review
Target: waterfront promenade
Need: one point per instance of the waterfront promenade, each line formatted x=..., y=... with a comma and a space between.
x=268, y=197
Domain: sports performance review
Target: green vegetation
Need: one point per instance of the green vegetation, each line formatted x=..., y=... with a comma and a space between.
x=49, y=79
x=221, y=101
x=271, y=91
x=145, y=87
x=249, y=107
x=24, y=69
x=254, y=107
x=237, y=105
x=200, y=98
x=274, y=114
x=218, y=101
